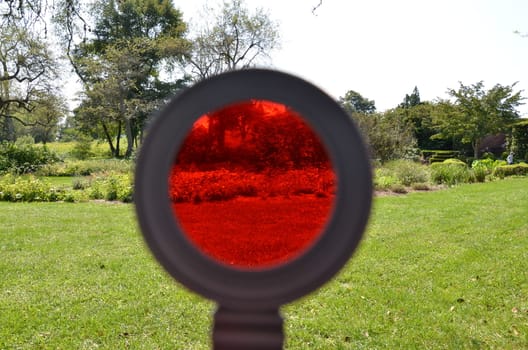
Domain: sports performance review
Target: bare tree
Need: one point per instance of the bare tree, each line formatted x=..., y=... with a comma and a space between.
x=27, y=66
x=229, y=38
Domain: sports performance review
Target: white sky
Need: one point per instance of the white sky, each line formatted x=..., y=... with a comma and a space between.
x=383, y=48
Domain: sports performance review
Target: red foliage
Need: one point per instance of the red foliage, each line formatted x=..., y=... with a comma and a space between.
x=259, y=181
x=255, y=134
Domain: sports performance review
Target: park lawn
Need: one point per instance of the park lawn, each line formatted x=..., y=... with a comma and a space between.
x=445, y=269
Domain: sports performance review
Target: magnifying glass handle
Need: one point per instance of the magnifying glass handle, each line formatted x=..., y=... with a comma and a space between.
x=245, y=329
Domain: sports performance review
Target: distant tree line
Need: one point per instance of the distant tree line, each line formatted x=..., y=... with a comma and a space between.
x=254, y=135
x=130, y=57
x=460, y=123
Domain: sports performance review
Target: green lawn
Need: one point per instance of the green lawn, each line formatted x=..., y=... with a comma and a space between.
x=439, y=270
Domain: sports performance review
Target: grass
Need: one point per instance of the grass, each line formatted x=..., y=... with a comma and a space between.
x=436, y=270
x=98, y=149
x=231, y=232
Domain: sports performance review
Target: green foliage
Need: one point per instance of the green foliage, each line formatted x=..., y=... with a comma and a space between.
x=353, y=102
x=488, y=155
x=480, y=172
x=511, y=170
x=477, y=113
x=387, y=135
x=27, y=189
x=111, y=187
x=29, y=69
x=435, y=156
x=121, y=64
x=98, y=149
x=407, y=172
x=82, y=148
x=484, y=168
x=24, y=157
x=451, y=172
x=519, y=140
x=411, y=100
x=231, y=37
x=436, y=270
x=383, y=182
x=86, y=167
x=455, y=161
x=399, y=188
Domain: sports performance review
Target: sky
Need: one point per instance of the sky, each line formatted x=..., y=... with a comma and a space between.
x=382, y=49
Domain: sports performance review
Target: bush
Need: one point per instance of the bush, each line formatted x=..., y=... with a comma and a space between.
x=222, y=184
x=27, y=189
x=488, y=155
x=455, y=161
x=480, y=172
x=451, y=172
x=112, y=187
x=23, y=157
x=408, y=172
x=384, y=182
x=398, y=188
x=83, y=148
x=510, y=170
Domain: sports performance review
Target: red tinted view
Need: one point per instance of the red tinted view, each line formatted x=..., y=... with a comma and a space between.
x=252, y=185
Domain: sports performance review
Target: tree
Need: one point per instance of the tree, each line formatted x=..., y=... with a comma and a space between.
x=387, y=135
x=27, y=66
x=518, y=141
x=43, y=121
x=231, y=38
x=121, y=65
x=411, y=100
x=476, y=113
x=353, y=102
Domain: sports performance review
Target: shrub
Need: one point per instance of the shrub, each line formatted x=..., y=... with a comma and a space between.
x=28, y=189
x=455, y=161
x=384, y=182
x=398, y=188
x=24, y=157
x=82, y=148
x=221, y=184
x=408, y=172
x=111, y=187
x=510, y=170
x=488, y=155
x=451, y=172
x=480, y=172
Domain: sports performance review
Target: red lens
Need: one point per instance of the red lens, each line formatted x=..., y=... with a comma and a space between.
x=252, y=185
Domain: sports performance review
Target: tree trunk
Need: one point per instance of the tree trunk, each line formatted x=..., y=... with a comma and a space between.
x=118, y=142
x=476, y=144
x=130, y=137
x=109, y=139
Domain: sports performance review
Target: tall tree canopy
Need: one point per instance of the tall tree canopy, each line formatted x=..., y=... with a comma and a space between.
x=28, y=69
x=411, y=100
x=231, y=37
x=353, y=102
x=477, y=112
x=121, y=64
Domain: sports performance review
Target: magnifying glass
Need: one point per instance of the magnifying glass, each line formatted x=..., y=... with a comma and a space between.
x=252, y=188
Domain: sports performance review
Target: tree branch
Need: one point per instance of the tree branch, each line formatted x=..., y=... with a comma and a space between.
x=316, y=7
